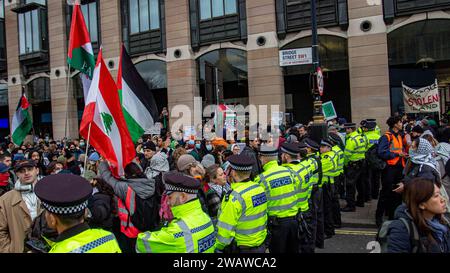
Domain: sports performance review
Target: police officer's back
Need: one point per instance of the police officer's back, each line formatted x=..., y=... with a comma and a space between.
x=191, y=231
x=242, y=221
x=283, y=202
x=65, y=198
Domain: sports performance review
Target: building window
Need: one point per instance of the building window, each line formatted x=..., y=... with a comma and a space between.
x=217, y=8
x=3, y=94
x=144, y=15
x=41, y=2
x=90, y=17
x=2, y=9
x=29, y=32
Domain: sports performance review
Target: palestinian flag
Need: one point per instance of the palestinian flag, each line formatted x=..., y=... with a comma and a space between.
x=21, y=122
x=139, y=107
x=80, y=53
x=109, y=134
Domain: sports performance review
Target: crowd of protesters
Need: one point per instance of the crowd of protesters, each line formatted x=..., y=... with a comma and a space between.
x=337, y=168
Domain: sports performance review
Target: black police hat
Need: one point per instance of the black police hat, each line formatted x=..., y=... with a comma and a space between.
x=290, y=148
x=241, y=162
x=63, y=194
x=326, y=143
x=267, y=150
x=350, y=125
x=311, y=144
x=371, y=125
x=176, y=181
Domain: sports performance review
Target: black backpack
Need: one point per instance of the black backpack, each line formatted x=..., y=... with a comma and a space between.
x=146, y=213
x=373, y=159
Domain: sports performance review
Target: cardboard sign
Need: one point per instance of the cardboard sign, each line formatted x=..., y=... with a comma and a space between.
x=328, y=110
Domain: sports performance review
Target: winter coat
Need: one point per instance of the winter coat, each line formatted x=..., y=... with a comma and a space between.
x=99, y=204
x=143, y=187
x=15, y=222
x=399, y=240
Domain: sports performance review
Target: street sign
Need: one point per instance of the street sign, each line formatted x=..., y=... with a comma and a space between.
x=320, y=81
x=297, y=56
x=328, y=110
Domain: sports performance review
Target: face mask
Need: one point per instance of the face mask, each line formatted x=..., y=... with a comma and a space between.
x=209, y=147
x=197, y=146
x=82, y=144
x=191, y=142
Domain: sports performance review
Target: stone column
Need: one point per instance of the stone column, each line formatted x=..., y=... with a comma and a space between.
x=265, y=76
x=12, y=49
x=61, y=100
x=111, y=33
x=182, y=83
x=368, y=62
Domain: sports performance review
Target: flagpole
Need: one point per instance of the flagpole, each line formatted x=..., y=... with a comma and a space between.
x=67, y=102
x=87, y=149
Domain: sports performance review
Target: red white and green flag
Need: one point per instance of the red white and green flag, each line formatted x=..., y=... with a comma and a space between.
x=109, y=133
x=21, y=122
x=80, y=53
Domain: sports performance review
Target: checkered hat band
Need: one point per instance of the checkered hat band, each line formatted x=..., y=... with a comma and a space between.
x=283, y=150
x=170, y=187
x=241, y=168
x=275, y=153
x=65, y=210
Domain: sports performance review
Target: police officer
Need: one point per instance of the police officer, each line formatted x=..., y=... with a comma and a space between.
x=290, y=159
x=65, y=198
x=242, y=220
x=329, y=163
x=283, y=204
x=339, y=178
x=316, y=201
x=354, y=154
x=372, y=175
x=191, y=230
x=377, y=128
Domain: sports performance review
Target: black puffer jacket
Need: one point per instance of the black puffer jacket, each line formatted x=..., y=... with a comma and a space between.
x=99, y=204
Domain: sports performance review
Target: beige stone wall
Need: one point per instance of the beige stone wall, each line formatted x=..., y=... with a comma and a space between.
x=63, y=103
x=12, y=44
x=368, y=64
x=265, y=76
x=182, y=72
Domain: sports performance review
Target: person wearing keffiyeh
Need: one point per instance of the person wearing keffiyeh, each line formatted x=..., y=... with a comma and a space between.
x=422, y=162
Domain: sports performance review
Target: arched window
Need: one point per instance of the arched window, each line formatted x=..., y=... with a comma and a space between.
x=154, y=73
x=232, y=76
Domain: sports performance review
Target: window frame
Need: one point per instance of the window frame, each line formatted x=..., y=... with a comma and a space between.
x=212, y=17
x=146, y=42
x=42, y=22
x=139, y=17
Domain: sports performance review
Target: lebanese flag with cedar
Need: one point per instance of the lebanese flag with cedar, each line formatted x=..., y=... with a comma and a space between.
x=109, y=133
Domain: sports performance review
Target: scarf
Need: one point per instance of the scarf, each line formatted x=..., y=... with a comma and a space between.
x=439, y=232
x=442, y=152
x=23, y=188
x=29, y=197
x=4, y=179
x=220, y=189
x=423, y=155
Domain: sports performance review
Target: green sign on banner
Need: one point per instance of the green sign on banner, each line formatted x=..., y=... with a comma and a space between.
x=328, y=110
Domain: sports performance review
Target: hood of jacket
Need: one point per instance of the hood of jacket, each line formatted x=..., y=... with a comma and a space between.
x=402, y=212
x=143, y=187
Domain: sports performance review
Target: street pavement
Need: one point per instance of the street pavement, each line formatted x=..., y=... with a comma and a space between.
x=357, y=234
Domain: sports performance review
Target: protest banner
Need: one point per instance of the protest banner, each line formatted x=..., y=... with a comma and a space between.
x=423, y=100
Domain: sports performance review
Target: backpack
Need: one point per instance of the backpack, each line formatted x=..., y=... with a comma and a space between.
x=373, y=159
x=383, y=233
x=146, y=213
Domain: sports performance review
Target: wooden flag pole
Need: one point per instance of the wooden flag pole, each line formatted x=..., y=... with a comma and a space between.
x=67, y=101
x=87, y=149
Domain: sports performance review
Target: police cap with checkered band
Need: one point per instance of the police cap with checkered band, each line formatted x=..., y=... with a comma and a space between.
x=63, y=194
x=241, y=163
x=178, y=182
